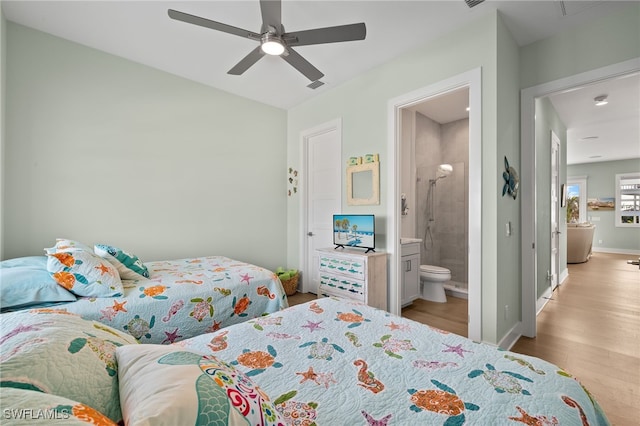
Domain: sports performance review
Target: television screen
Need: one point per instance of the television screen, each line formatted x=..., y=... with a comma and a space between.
x=354, y=230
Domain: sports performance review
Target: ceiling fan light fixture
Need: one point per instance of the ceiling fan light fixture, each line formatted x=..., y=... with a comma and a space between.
x=601, y=100
x=272, y=45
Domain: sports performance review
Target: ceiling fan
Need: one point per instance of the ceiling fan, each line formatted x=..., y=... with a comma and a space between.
x=275, y=41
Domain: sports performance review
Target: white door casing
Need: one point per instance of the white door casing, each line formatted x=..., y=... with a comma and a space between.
x=555, y=211
x=322, y=154
x=472, y=79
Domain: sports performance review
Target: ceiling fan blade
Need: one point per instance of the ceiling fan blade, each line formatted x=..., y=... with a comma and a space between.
x=271, y=15
x=247, y=61
x=207, y=23
x=336, y=34
x=302, y=65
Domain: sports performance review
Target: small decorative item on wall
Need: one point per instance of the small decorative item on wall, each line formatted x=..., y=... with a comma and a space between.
x=293, y=182
x=511, y=180
x=602, y=203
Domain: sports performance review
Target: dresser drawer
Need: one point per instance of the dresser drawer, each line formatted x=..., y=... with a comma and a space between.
x=345, y=266
x=341, y=284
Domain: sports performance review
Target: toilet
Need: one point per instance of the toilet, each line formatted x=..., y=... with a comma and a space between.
x=433, y=279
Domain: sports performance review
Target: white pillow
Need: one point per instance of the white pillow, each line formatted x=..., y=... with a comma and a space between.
x=167, y=385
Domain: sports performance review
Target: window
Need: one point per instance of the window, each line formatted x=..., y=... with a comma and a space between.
x=577, y=199
x=628, y=199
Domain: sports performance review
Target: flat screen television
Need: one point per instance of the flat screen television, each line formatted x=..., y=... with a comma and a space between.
x=354, y=230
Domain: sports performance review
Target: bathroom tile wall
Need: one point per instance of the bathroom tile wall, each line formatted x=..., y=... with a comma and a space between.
x=444, y=238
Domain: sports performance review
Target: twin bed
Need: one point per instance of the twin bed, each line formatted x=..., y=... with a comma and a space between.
x=228, y=351
x=175, y=300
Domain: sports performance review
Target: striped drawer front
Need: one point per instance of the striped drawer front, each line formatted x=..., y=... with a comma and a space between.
x=337, y=284
x=338, y=265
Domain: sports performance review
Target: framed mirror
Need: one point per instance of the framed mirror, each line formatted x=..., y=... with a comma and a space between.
x=363, y=184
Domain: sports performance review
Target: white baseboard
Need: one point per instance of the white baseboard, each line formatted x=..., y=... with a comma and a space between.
x=511, y=337
x=616, y=251
x=542, y=301
x=563, y=276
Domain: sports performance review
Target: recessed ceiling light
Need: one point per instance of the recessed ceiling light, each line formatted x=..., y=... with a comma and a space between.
x=586, y=138
x=601, y=100
x=595, y=156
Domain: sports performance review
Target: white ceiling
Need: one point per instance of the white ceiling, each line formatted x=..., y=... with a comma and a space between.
x=141, y=31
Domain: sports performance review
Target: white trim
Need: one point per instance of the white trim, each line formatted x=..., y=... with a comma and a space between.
x=527, y=181
x=543, y=300
x=511, y=338
x=305, y=135
x=473, y=80
x=616, y=251
x=564, y=275
x=618, y=218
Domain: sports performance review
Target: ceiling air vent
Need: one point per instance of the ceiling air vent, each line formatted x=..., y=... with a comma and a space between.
x=315, y=84
x=472, y=3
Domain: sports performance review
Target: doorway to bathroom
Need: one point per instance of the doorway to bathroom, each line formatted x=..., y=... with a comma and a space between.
x=438, y=163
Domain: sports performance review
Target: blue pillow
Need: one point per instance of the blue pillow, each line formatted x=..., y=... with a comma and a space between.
x=23, y=286
x=35, y=262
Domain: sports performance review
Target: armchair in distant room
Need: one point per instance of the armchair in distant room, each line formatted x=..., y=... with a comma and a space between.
x=579, y=241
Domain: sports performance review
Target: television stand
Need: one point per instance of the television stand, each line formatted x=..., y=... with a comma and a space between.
x=370, y=249
x=338, y=246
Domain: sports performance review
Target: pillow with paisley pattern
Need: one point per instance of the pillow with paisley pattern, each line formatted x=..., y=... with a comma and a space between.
x=167, y=385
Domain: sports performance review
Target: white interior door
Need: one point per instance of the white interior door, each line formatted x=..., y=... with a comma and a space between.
x=323, y=146
x=555, y=210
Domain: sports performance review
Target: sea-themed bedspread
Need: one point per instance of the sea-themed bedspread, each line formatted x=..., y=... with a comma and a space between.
x=187, y=297
x=333, y=362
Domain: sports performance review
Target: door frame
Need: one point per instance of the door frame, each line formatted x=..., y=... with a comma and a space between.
x=528, y=183
x=305, y=135
x=473, y=80
x=556, y=204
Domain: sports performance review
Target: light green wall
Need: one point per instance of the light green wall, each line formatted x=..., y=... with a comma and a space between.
x=608, y=40
x=601, y=182
x=547, y=120
x=101, y=149
x=3, y=84
x=362, y=104
x=507, y=209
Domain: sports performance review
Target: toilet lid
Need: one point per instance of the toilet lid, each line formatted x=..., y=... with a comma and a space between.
x=434, y=269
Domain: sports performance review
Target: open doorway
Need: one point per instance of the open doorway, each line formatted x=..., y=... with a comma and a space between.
x=414, y=181
x=534, y=167
x=434, y=213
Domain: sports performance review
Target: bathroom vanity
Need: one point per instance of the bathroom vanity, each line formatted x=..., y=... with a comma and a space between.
x=353, y=274
x=410, y=264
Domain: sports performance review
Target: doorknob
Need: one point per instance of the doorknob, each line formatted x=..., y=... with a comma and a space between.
x=310, y=234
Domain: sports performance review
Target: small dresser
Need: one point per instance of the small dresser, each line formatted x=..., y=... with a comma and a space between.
x=353, y=274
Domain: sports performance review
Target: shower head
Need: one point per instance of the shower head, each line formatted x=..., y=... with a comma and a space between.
x=444, y=170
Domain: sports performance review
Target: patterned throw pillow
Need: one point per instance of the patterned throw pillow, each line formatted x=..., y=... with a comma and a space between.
x=85, y=274
x=167, y=385
x=26, y=407
x=129, y=266
x=64, y=244
x=55, y=352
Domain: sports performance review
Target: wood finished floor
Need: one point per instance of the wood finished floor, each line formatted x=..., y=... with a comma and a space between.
x=590, y=328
